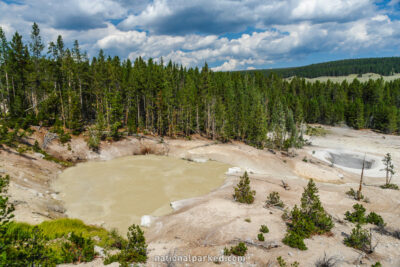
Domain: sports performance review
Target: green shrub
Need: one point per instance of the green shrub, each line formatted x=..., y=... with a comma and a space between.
x=359, y=239
x=294, y=240
x=307, y=220
x=282, y=263
x=10, y=137
x=353, y=194
x=135, y=250
x=376, y=219
x=358, y=216
x=260, y=237
x=115, y=134
x=390, y=186
x=248, y=220
x=243, y=192
x=274, y=200
x=239, y=250
x=30, y=249
x=6, y=214
x=65, y=137
x=377, y=264
x=116, y=240
x=264, y=229
x=227, y=251
x=78, y=249
x=36, y=147
x=94, y=139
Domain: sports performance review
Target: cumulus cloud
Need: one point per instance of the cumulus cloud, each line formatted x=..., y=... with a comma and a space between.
x=208, y=16
x=66, y=15
x=228, y=34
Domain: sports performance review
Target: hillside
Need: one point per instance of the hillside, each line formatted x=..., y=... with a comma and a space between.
x=383, y=66
x=350, y=78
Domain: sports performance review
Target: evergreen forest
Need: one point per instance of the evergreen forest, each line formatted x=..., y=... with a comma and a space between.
x=60, y=87
x=384, y=66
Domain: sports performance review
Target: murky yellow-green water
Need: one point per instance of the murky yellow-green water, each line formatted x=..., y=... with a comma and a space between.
x=118, y=192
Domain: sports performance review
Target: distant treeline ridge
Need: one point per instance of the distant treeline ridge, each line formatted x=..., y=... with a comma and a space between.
x=384, y=66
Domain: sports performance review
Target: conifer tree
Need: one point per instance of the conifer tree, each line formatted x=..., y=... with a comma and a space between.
x=243, y=192
x=311, y=206
x=389, y=168
x=307, y=220
x=4, y=83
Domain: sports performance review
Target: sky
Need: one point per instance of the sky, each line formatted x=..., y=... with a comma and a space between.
x=227, y=34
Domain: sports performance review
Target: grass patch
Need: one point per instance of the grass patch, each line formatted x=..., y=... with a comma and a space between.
x=316, y=131
x=62, y=228
x=56, y=160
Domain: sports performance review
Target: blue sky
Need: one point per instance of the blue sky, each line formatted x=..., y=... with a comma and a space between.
x=228, y=34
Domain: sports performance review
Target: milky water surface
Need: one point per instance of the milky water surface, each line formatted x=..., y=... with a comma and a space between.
x=119, y=192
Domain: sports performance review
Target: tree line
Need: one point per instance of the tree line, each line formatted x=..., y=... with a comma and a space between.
x=383, y=66
x=60, y=87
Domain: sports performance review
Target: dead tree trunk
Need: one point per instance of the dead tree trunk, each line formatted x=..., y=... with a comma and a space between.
x=359, y=195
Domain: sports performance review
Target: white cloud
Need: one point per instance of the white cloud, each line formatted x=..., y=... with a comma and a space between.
x=333, y=9
x=192, y=32
x=228, y=65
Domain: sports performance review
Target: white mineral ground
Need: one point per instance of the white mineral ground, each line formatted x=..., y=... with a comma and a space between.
x=206, y=224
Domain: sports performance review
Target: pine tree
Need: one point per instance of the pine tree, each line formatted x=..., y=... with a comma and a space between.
x=135, y=250
x=243, y=192
x=307, y=220
x=18, y=60
x=389, y=168
x=311, y=206
x=36, y=47
x=4, y=82
x=292, y=130
x=278, y=125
